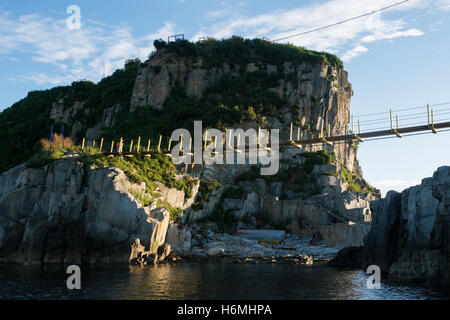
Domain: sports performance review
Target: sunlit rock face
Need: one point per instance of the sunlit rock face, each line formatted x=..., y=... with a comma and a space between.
x=410, y=238
x=67, y=213
x=321, y=92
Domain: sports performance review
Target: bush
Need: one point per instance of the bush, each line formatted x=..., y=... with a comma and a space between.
x=354, y=184
x=317, y=158
x=158, y=168
x=50, y=152
x=159, y=44
x=58, y=142
x=237, y=50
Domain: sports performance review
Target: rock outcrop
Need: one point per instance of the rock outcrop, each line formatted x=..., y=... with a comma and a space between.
x=317, y=205
x=67, y=212
x=409, y=239
x=319, y=93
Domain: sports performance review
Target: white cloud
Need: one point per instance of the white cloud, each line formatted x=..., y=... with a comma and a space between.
x=355, y=52
x=283, y=23
x=396, y=185
x=76, y=54
x=216, y=13
x=444, y=4
x=72, y=54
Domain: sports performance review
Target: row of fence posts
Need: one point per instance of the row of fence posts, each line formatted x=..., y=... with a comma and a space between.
x=159, y=150
x=300, y=134
x=119, y=150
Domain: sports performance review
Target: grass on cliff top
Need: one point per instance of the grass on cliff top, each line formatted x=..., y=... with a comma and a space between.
x=157, y=168
x=237, y=50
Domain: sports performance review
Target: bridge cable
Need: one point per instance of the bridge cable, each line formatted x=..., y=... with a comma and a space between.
x=341, y=22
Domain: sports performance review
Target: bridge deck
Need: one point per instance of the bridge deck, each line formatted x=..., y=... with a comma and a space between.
x=329, y=140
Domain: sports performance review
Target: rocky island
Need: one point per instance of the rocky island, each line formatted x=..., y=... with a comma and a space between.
x=77, y=205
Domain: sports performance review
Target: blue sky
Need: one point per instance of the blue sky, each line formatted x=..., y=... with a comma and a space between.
x=396, y=58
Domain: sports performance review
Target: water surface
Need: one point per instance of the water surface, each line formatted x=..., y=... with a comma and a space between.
x=211, y=280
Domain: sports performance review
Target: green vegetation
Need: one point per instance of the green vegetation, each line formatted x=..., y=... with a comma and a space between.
x=158, y=168
x=237, y=50
x=317, y=158
x=143, y=197
x=23, y=124
x=204, y=191
x=42, y=158
x=174, y=213
x=231, y=100
x=50, y=152
x=354, y=184
x=27, y=121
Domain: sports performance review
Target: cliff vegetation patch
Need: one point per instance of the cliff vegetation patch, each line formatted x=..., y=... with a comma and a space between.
x=237, y=50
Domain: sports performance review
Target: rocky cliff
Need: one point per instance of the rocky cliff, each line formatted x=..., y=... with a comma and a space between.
x=313, y=95
x=68, y=212
x=318, y=193
x=409, y=238
x=261, y=84
x=314, y=202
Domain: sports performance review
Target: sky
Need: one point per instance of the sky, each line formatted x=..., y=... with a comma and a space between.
x=397, y=58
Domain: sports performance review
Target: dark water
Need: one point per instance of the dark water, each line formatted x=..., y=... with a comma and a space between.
x=202, y=281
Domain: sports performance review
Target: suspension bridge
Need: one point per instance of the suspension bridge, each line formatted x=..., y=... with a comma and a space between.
x=367, y=127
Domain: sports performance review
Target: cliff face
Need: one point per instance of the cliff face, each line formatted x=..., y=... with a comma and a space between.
x=316, y=205
x=67, y=212
x=232, y=84
x=282, y=84
x=409, y=238
x=317, y=95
